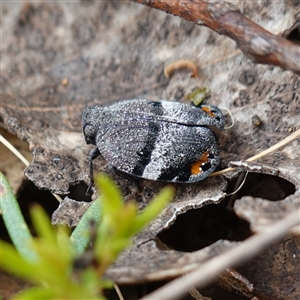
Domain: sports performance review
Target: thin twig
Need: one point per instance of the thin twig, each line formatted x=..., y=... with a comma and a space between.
x=231, y=258
x=118, y=291
x=273, y=148
x=8, y=145
x=260, y=45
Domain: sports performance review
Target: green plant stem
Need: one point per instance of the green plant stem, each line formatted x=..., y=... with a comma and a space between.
x=14, y=221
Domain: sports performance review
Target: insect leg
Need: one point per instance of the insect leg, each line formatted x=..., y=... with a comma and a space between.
x=92, y=155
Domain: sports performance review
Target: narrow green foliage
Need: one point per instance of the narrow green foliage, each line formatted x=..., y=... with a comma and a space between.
x=153, y=208
x=13, y=262
x=42, y=226
x=111, y=195
x=80, y=237
x=53, y=269
x=121, y=221
x=14, y=221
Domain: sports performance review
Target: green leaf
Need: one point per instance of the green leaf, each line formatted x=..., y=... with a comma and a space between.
x=53, y=270
x=42, y=224
x=14, y=221
x=125, y=220
x=56, y=262
x=80, y=237
x=154, y=208
x=35, y=293
x=111, y=196
x=11, y=261
x=121, y=221
x=64, y=243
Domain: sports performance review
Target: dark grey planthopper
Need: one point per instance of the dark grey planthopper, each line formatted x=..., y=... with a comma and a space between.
x=164, y=141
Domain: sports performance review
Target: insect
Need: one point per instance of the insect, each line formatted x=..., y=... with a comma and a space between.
x=163, y=141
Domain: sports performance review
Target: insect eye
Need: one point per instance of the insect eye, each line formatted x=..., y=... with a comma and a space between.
x=89, y=133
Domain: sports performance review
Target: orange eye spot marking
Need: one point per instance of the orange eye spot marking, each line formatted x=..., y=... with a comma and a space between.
x=208, y=111
x=196, y=166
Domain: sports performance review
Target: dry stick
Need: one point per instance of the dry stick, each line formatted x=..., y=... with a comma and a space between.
x=280, y=144
x=231, y=258
x=260, y=45
x=6, y=143
x=118, y=291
